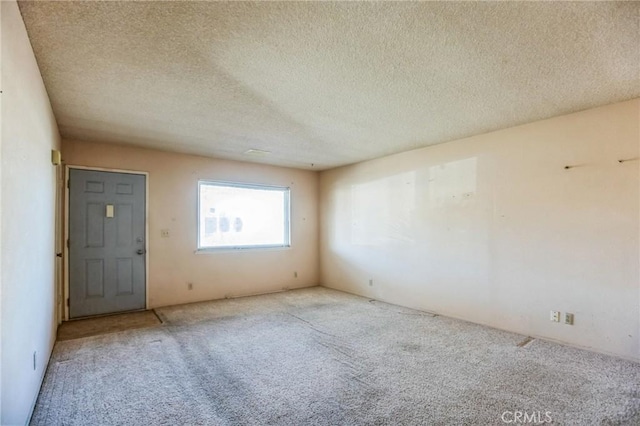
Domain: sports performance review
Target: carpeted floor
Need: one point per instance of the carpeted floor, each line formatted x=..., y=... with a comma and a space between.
x=322, y=357
x=107, y=324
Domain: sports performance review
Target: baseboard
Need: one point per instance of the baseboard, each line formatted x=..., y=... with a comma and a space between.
x=535, y=336
x=240, y=295
x=42, y=376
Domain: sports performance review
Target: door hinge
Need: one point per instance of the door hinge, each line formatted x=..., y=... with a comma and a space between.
x=68, y=243
x=67, y=302
x=69, y=184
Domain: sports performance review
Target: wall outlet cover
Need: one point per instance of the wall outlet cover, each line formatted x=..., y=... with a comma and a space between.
x=568, y=318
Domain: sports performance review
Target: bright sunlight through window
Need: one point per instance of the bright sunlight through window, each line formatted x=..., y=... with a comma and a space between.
x=242, y=216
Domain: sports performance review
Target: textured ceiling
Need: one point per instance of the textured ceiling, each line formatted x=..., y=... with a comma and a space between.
x=325, y=83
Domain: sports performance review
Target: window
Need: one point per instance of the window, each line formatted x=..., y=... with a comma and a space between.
x=242, y=216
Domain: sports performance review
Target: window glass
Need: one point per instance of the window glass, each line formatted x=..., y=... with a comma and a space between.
x=234, y=215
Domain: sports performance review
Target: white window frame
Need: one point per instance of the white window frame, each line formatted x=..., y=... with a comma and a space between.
x=287, y=216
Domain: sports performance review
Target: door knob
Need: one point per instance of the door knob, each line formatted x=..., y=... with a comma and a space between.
x=140, y=251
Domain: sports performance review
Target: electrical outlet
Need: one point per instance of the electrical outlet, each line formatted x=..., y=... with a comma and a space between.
x=568, y=318
x=555, y=316
x=189, y=286
x=371, y=283
x=164, y=233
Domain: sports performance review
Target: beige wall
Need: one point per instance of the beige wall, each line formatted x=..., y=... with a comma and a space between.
x=493, y=229
x=29, y=132
x=173, y=263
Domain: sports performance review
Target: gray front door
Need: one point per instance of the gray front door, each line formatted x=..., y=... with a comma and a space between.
x=106, y=242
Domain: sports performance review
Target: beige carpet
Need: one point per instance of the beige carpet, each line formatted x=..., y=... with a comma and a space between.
x=77, y=329
x=321, y=357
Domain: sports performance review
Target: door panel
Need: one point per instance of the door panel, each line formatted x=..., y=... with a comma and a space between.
x=106, y=242
x=95, y=225
x=94, y=278
x=124, y=271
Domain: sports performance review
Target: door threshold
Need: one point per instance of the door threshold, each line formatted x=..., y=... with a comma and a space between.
x=108, y=314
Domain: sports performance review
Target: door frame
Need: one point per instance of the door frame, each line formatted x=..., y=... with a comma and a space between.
x=67, y=175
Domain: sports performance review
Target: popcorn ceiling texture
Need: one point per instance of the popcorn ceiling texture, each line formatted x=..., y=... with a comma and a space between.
x=325, y=83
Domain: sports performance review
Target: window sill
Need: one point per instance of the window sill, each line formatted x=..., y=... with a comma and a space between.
x=240, y=249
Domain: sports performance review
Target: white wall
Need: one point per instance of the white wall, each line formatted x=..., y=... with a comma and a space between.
x=173, y=184
x=29, y=132
x=493, y=229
